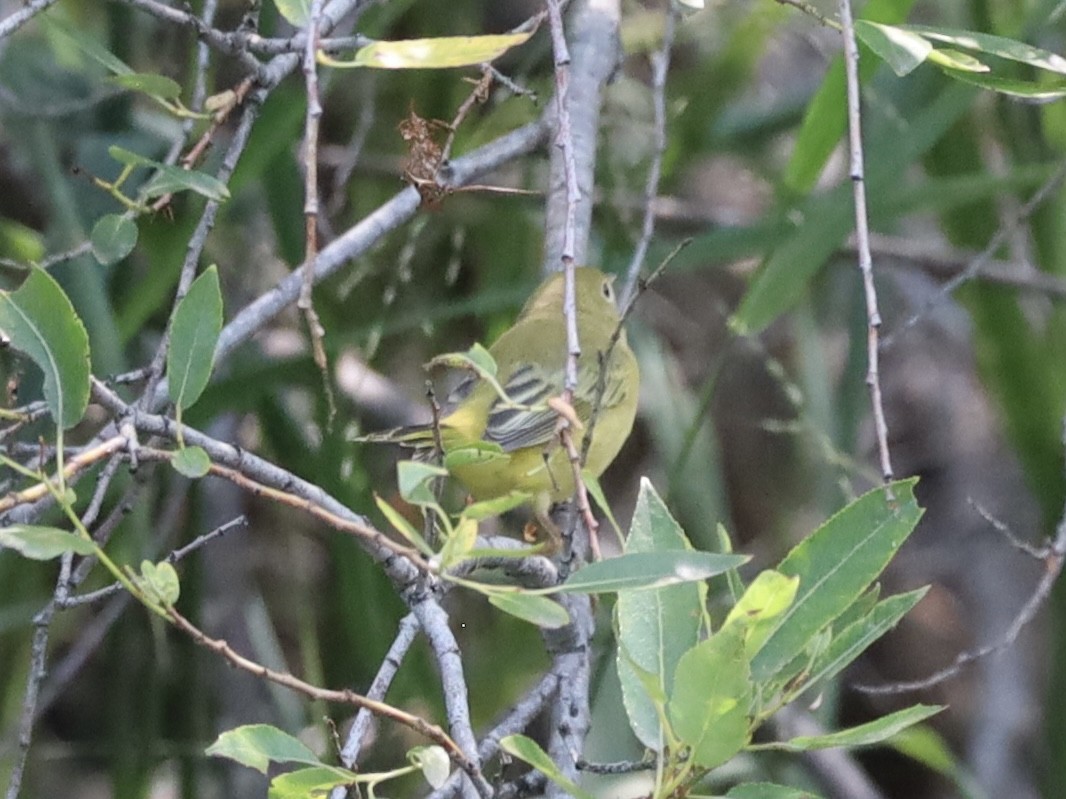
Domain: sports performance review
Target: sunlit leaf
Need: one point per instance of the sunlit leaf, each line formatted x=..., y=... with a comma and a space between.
x=434, y=762
x=439, y=53
x=43, y=543
x=538, y=610
x=259, y=745
x=901, y=49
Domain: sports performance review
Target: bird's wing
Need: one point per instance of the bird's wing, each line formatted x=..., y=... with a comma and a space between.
x=531, y=385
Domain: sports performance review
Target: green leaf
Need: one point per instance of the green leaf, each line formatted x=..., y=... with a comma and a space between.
x=296, y=12
x=1000, y=46
x=193, y=335
x=259, y=745
x=160, y=582
x=458, y=543
x=758, y=609
x=1022, y=89
x=172, y=179
x=853, y=639
x=901, y=49
x=928, y=747
x=439, y=53
x=414, y=481
x=402, y=526
x=644, y=570
x=657, y=626
x=712, y=697
x=191, y=462
x=153, y=85
x=113, y=238
x=40, y=321
x=128, y=157
x=826, y=117
x=868, y=734
x=305, y=783
x=43, y=543
x=84, y=42
x=592, y=483
x=535, y=609
x=529, y=751
x=768, y=790
x=835, y=565
x=433, y=761
x=954, y=59
x=21, y=242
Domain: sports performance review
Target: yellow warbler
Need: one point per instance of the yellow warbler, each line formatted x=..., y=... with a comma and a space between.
x=494, y=445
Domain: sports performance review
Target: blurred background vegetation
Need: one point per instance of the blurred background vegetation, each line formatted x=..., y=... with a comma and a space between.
x=765, y=434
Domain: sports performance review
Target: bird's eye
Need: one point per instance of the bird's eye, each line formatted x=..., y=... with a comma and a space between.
x=608, y=290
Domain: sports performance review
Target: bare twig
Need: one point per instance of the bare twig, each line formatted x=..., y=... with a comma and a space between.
x=390, y=664
x=347, y=697
x=305, y=302
x=862, y=234
x=13, y=22
x=999, y=238
x=1052, y=556
x=660, y=66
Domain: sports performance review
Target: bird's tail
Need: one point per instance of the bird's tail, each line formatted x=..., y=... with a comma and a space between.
x=417, y=437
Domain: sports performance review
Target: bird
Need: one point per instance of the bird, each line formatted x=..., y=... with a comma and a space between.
x=495, y=445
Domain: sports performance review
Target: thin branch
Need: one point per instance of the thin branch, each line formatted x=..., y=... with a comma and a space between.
x=305, y=301
x=1052, y=557
x=359, y=239
x=416, y=723
x=862, y=234
x=174, y=557
x=660, y=66
x=518, y=719
x=999, y=238
x=13, y=22
x=390, y=664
